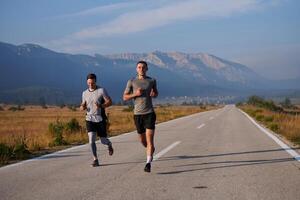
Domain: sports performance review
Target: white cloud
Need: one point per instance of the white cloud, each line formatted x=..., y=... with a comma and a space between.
x=98, y=10
x=142, y=20
x=147, y=19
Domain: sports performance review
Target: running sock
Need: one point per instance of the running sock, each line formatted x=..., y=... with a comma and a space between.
x=149, y=159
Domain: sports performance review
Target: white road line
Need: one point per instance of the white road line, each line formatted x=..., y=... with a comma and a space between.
x=279, y=142
x=164, y=151
x=201, y=126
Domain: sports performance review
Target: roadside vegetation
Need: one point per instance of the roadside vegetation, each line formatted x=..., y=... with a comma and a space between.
x=29, y=131
x=282, y=118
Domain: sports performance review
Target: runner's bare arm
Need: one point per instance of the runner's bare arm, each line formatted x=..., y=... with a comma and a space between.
x=128, y=96
x=83, y=106
x=107, y=103
x=154, y=93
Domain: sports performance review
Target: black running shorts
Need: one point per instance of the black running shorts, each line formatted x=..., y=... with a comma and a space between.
x=98, y=127
x=143, y=122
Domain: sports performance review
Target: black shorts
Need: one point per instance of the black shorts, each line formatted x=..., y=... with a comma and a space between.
x=143, y=122
x=98, y=127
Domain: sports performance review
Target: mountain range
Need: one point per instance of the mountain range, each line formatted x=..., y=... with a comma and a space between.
x=31, y=73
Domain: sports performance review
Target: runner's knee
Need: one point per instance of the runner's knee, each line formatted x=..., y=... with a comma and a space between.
x=105, y=141
x=92, y=137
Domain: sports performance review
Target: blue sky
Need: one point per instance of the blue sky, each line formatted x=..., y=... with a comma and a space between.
x=262, y=34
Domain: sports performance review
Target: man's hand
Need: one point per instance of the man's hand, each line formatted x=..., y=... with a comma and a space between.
x=153, y=93
x=83, y=106
x=138, y=92
x=98, y=105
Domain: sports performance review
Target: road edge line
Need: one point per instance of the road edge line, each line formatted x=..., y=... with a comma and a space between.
x=287, y=148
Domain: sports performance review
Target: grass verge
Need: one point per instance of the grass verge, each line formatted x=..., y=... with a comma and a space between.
x=283, y=123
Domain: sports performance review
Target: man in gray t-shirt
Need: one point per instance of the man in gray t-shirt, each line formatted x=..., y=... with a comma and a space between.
x=94, y=100
x=142, y=89
x=143, y=103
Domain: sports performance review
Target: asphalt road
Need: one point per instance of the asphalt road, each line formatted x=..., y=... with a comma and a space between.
x=218, y=154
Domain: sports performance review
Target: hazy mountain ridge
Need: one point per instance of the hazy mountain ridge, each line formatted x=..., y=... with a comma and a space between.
x=202, y=67
x=27, y=67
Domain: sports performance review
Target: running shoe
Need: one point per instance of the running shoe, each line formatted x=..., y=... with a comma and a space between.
x=110, y=150
x=147, y=167
x=95, y=163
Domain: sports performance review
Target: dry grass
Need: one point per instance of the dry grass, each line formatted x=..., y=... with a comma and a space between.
x=30, y=126
x=285, y=124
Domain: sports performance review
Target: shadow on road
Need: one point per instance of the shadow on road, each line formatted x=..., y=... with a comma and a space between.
x=123, y=163
x=222, y=154
x=244, y=163
x=226, y=163
x=57, y=156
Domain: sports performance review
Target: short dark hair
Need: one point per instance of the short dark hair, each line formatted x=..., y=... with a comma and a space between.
x=91, y=76
x=143, y=62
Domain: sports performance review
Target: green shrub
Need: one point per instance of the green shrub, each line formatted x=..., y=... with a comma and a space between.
x=202, y=107
x=13, y=108
x=260, y=102
x=56, y=129
x=72, y=125
x=270, y=105
x=20, y=151
x=274, y=127
x=251, y=112
x=259, y=117
x=239, y=104
x=255, y=100
x=18, y=108
x=268, y=118
x=296, y=140
x=4, y=149
x=5, y=153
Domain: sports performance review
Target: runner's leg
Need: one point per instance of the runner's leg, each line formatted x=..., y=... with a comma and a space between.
x=102, y=132
x=150, y=144
x=92, y=142
x=105, y=141
x=143, y=139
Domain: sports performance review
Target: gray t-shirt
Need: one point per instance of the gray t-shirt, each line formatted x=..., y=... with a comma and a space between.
x=93, y=114
x=142, y=104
